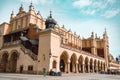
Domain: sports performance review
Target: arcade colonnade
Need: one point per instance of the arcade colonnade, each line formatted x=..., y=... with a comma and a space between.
x=68, y=63
x=80, y=64
x=8, y=62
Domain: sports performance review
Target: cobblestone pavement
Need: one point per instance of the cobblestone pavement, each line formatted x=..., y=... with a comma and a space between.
x=81, y=76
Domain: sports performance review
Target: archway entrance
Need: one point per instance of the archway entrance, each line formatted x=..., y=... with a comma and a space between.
x=62, y=65
x=4, y=62
x=98, y=66
x=13, y=62
x=91, y=65
x=86, y=65
x=101, y=66
x=64, y=62
x=80, y=61
x=104, y=66
x=95, y=66
x=73, y=63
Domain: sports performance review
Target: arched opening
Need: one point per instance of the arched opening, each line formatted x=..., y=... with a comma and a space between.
x=80, y=64
x=13, y=62
x=63, y=62
x=99, y=66
x=91, y=65
x=4, y=62
x=86, y=64
x=95, y=66
x=104, y=66
x=73, y=63
x=62, y=65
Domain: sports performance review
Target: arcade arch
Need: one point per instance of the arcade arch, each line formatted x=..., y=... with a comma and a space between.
x=86, y=64
x=73, y=63
x=80, y=63
x=64, y=61
x=4, y=61
x=13, y=61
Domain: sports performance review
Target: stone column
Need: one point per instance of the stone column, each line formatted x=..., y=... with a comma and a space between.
x=68, y=66
x=76, y=67
x=8, y=67
x=96, y=68
x=93, y=68
x=83, y=67
x=88, y=67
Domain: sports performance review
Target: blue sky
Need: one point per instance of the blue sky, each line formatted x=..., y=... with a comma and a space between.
x=81, y=16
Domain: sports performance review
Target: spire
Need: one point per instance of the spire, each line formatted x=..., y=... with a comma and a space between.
x=105, y=36
x=63, y=26
x=38, y=13
x=21, y=9
x=50, y=14
x=31, y=7
x=50, y=22
x=105, y=31
x=96, y=35
x=31, y=4
x=92, y=35
x=69, y=30
x=74, y=33
x=12, y=15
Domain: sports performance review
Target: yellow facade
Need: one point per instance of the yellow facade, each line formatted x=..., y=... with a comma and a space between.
x=30, y=43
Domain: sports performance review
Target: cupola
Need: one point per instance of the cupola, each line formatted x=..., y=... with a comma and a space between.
x=50, y=22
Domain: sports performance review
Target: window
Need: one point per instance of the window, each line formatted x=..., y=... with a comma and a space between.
x=54, y=64
x=44, y=57
x=30, y=68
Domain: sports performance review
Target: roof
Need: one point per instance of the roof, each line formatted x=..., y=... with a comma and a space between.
x=34, y=42
x=24, y=38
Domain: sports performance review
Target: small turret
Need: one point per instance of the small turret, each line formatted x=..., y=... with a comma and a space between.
x=21, y=9
x=38, y=13
x=12, y=15
x=50, y=22
x=31, y=7
x=92, y=35
x=96, y=36
x=105, y=36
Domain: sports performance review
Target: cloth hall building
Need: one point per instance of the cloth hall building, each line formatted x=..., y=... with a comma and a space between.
x=29, y=43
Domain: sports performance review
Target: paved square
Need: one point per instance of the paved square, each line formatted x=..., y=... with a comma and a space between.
x=81, y=76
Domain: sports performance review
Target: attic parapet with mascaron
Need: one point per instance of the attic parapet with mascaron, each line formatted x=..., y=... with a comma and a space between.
x=22, y=19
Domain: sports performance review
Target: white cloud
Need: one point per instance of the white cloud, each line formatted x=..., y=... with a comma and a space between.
x=111, y=13
x=111, y=1
x=99, y=4
x=29, y=1
x=82, y=3
x=91, y=7
x=88, y=12
x=37, y=1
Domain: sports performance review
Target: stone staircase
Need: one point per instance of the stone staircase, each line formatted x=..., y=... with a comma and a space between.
x=29, y=52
